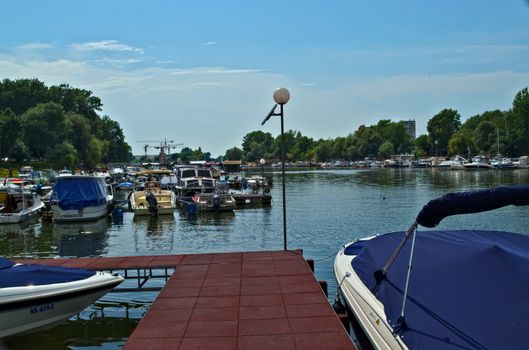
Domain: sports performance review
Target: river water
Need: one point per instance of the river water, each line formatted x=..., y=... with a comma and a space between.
x=325, y=209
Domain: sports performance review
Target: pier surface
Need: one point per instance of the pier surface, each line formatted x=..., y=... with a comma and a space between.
x=230, y=301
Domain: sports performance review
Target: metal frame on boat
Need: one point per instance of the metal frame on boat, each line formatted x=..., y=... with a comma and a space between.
x=459, y=289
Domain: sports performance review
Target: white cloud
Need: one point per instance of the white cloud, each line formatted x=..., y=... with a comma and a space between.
x=105, y=45
x=224, y=104
x=35, y=46
x=208, y=43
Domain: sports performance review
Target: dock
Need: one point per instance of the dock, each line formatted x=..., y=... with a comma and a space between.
x=229, y=301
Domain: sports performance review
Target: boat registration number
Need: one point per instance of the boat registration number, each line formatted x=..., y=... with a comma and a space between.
x=41, y=308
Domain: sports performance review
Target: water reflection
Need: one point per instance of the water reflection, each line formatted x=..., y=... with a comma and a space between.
x=78, y=239
x=324, y=210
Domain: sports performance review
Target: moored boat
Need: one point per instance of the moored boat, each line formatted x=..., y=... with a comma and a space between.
x=149, y=198
x=214, y=201
x=20, y=206
x=80, y=197
x=478, y=162
x=33, y=297
x=442, y=289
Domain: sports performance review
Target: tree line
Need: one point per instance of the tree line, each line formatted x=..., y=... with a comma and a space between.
x=61, y=125
x=489, y=133
x=58, y=125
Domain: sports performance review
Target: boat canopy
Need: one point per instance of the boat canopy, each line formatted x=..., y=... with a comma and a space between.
x=472, y=202
x=78, y=192
x=12, y=275
x=469, y=289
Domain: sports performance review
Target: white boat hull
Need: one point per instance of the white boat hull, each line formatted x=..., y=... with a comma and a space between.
x=24, y=215
x=366, y=308
x=87, y=213
x=28, y=309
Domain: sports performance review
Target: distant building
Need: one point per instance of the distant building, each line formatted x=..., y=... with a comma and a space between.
x=410, y=127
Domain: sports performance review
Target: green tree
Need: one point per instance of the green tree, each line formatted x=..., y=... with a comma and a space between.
x=63, y=155
x=44, y=126
x=256, y=145
x=386, y=150
x=442, y=126
x=424, y=143
x=233, y=153
x=22, y=94
x=10, y=132
x=485, y=137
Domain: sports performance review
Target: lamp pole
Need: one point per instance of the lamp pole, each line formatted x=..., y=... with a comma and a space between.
x=281, y=97
x=262, y=162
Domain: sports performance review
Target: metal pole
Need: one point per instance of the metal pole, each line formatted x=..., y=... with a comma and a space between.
x=283, y=181
x=405, y=296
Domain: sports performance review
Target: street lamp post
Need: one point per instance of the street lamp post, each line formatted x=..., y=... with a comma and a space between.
x=281, y=97
x=262, y=162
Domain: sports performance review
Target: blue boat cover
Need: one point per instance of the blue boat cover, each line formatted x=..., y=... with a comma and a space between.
x=5, y=263
x=472, y=202
x=26, y=275
x=468, y=289
x=79, y=192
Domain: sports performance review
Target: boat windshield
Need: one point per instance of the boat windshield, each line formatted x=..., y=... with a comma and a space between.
x=188, y=173
x=204, y=172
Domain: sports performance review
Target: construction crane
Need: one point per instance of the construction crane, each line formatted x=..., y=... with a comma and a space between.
x=164, y=146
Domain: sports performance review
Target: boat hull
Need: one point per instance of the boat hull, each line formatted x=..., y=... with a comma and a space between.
x=84, y=214
x=368, y=311
x=24, y=309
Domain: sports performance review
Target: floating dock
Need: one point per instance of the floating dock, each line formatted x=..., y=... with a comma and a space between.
x=239, y=301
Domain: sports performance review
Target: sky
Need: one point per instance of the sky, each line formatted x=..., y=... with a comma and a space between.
x=203, y=73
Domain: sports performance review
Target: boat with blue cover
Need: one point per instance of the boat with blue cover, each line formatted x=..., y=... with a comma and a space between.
x=34, y=297
x=442, y=289
x=80, y=198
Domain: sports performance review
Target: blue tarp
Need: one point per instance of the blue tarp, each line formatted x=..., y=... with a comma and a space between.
x=472, y=202
x=468, y=289
x=26, y=275
x=79, y=192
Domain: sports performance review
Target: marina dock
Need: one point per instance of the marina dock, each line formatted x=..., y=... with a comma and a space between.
x=243, y=300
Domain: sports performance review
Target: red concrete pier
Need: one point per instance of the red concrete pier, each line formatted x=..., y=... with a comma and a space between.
x=230, y=301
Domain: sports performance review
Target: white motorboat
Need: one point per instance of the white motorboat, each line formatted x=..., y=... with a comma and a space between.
x=34, y=297
x=454, y=163
x=20, y=206
x=459, y=289
x=478, y=162
x=80, y=198
x=148, y=198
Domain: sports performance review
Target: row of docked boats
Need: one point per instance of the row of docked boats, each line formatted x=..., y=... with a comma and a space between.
x=33, y=297
x=455, y=163
x=160, y=192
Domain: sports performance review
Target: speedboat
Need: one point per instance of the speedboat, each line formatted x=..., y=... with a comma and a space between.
x=478, y=162
x=441, y=289
x=35, y=297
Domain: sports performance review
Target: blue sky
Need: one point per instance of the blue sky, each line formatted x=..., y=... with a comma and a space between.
x=202, y=73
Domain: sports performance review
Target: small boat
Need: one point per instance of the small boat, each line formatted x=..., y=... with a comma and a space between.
x=148, y=198
x=478, y=162
x=441, y=289
x=214, y=202
x=20, y=206
x=34, y=297
x=80, y=198
x=502, y=163
x=454, y=163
